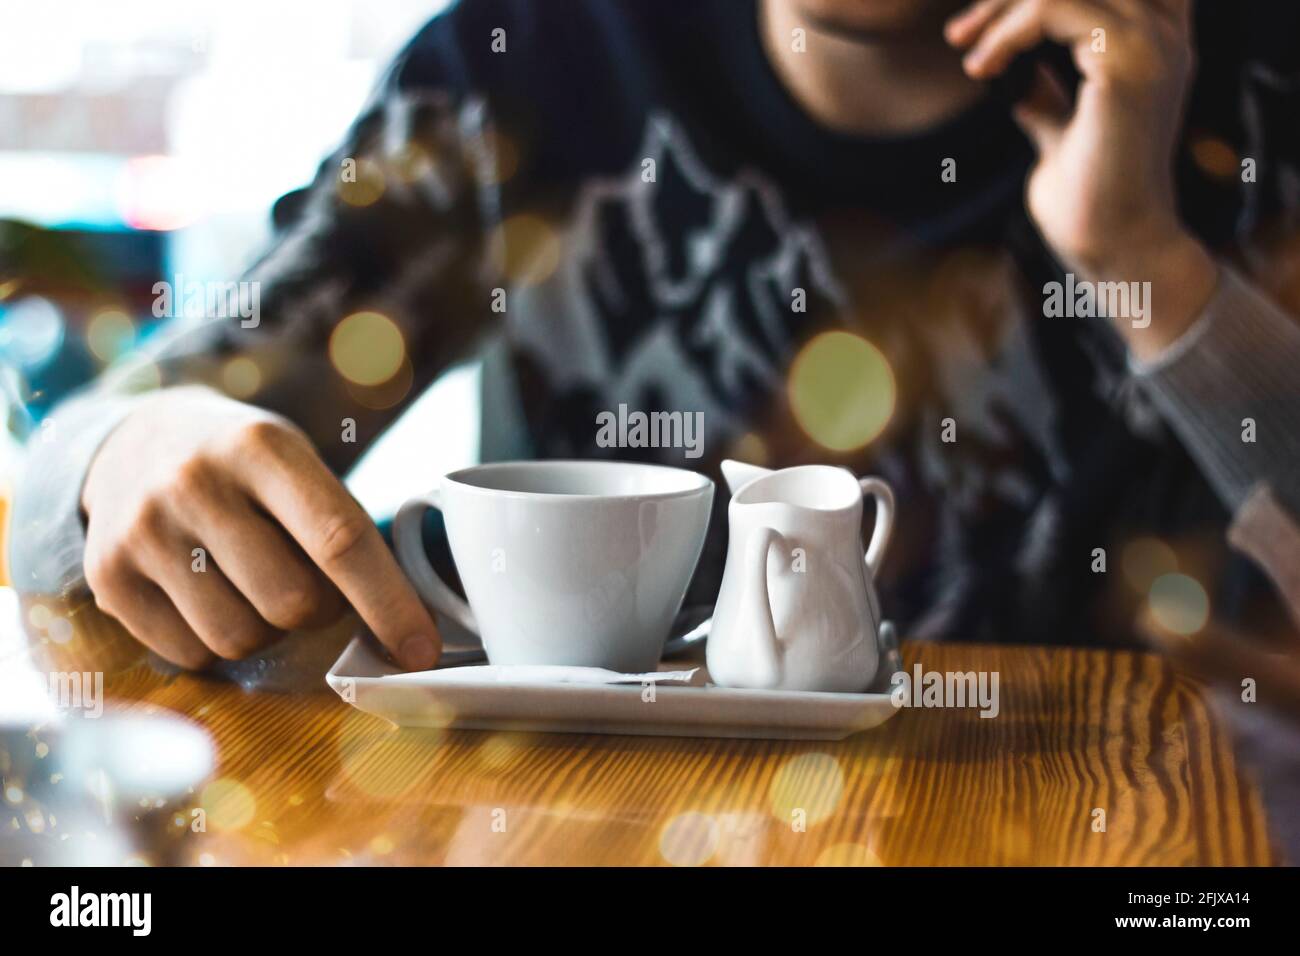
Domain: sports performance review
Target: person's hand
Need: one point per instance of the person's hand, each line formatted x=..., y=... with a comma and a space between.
x=284, y=546
x=1102, y=192
x=1225, y=657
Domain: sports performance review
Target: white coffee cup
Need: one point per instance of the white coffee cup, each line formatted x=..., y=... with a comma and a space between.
x=564, y=562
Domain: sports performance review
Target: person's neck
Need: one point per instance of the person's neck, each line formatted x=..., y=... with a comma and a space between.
x=863, y=85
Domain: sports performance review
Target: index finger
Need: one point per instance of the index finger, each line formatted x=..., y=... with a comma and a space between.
x=300, y=492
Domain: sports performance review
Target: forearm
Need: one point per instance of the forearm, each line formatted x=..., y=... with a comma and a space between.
x=1228, y=386
x=411, y=259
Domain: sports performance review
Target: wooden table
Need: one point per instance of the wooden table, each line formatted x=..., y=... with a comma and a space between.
x=305, y=779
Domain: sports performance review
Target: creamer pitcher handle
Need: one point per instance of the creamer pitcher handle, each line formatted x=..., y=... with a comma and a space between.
x=884, y=496
x=767, y=652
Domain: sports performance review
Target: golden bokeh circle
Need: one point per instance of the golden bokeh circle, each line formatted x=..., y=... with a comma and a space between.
x=809, y=785
x=689, y=839
x=842, y=391
x=387, y=394
x=411, y=163
x=383, y=763
x=241, y=377
x=1145, y=559
x=367, y=348
x=363, y=188
x=500, y=750
x=525, y=249
x=228, y=804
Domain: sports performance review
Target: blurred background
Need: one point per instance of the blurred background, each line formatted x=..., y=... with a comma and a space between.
x=141, y=139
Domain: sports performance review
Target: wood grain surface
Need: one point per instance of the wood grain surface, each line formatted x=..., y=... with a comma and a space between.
x=305, y=779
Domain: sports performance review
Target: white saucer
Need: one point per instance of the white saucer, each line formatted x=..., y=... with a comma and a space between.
x=358, y=676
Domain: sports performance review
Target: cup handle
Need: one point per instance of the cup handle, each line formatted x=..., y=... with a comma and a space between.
x=408, y=541
x=884, y=496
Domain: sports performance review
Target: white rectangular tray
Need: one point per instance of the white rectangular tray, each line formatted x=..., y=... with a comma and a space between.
x=360, y=675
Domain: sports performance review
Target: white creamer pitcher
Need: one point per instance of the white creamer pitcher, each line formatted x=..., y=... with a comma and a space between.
x=797, y=609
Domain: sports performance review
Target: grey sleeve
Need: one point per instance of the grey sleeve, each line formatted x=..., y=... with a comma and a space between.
x=46, y=537
x=415, y=253
x=1233, y=377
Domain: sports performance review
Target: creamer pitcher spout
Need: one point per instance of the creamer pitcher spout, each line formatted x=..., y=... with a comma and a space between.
x=739, y=473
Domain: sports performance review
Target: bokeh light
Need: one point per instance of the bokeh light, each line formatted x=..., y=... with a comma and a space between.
x=367, y=348
x=229, y=804
x=1178, y=604
x=411, y=163
x=842, y=391
x=110, y=333
x=500, y=750
x=388, y=393
x=810, y=784
x=39, y=616
x=241, y=377
x=365, y=187
x=689, y=839
x=31, y=332
x=1145, y=559
x=382, y=763
x=60, y=630
x=525, y=249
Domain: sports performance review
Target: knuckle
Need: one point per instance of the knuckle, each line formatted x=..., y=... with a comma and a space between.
x=194, y=479
x=239, y=640
x=262, y=436
x=104, y=574
x=293, y=608
x=341, y=535
x=150, y=519
x=107, y=598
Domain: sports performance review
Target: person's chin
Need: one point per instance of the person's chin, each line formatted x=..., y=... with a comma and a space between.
x=865, y=19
